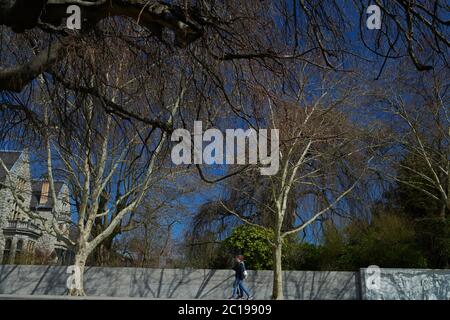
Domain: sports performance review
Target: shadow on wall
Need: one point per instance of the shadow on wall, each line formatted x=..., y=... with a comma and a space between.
x=33, y=280
x=313, y=285
x=181, y=283
x=175, y=283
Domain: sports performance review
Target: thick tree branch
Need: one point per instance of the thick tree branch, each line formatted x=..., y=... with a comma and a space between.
x=16, y=78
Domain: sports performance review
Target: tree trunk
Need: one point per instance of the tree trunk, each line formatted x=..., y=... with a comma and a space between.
x=277, y=291
x=77, y=284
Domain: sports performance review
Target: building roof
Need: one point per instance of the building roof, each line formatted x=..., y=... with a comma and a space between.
x=9, y=158
x=36, y=187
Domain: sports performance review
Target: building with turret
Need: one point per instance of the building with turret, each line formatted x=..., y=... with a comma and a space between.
x=26, y=214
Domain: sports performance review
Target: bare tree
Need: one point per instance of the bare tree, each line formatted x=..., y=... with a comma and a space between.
x=233, y=31
x=109, y=163
x=421, y=131
x=321, y=162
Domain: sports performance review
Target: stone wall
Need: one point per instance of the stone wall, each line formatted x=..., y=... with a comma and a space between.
x=406, y=284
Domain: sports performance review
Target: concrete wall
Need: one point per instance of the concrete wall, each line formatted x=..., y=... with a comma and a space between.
x=216, y=284
x=175, y=283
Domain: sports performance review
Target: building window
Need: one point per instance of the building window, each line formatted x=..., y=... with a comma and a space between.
x=60, y=256
x=7, y=251
x=19, y=249
x=30, y=250
x=16, y=212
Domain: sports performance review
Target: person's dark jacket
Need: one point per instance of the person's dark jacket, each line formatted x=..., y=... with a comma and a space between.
x=239, y=268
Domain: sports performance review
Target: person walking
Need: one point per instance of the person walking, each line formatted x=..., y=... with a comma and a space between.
x=240, y=275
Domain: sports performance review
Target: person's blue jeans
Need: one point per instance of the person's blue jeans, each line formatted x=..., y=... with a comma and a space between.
x=239, y=283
